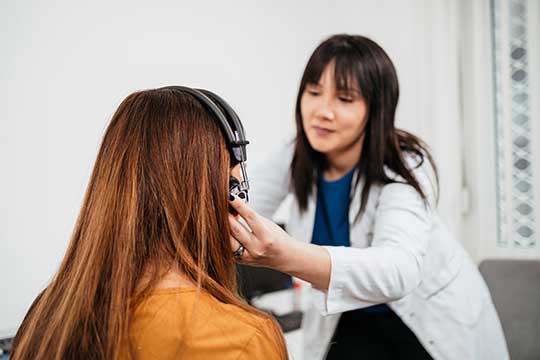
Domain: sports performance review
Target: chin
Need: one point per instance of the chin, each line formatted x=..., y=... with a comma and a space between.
x=321, y=146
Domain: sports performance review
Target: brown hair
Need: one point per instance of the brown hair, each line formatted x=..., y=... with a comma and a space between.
x=153, y=202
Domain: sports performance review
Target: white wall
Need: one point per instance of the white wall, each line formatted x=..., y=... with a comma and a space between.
x=66, y=65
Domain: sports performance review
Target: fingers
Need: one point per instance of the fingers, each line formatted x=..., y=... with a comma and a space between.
x=240, y=233
x=241, y=236
x=248, y=214
x=235, y=245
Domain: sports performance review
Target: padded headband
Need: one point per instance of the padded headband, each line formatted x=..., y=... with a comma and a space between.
x=227, y=118
x=230, y=125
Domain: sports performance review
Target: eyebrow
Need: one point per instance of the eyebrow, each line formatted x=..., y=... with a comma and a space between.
x=354, y=90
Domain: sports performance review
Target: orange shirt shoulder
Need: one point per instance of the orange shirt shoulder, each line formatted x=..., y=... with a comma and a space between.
x=184, y=323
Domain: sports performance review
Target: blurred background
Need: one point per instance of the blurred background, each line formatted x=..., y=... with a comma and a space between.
x=469, y=75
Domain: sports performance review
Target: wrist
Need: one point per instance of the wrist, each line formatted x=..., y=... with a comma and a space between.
x=282, y=250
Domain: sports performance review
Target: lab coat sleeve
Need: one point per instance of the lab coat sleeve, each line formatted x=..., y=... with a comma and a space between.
x=270, y=180
x=392, y=266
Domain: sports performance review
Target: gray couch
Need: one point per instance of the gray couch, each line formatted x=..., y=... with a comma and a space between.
x=515, y=289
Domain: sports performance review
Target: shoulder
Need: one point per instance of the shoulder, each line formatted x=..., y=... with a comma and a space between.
x=280, y=152
x=248, y=335
x=200, y=326
x=418, y=165
x=423, y=171
x=265, y=343
x=269, y=176
x=273, y=163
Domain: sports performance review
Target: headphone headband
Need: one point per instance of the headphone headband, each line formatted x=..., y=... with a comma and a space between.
x=227, y=118
x=229, y=122
x=238, y=142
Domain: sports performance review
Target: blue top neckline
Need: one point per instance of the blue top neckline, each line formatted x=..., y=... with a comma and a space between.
x=331, y=183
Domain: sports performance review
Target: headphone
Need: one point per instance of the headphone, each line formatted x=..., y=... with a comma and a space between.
x=232, y=130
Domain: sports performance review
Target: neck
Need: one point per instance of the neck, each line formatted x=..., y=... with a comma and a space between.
x=172, y=278
x=340, y=163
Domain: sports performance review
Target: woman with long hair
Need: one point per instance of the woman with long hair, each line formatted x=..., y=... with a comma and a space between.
x=149, y=272
x=389, y=280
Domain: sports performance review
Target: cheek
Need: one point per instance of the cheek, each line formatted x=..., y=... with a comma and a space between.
x=355, y=123
x=303, y=104
x=235, y=171
x=304, y=111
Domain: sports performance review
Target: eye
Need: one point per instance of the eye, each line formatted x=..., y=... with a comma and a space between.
x=346, y=99
x=313, y=92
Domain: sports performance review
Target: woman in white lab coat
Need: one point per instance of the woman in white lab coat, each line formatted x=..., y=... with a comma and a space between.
x=388, y=279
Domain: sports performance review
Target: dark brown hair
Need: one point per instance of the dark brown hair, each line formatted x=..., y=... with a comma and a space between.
x=361, y=63
x=153, y=202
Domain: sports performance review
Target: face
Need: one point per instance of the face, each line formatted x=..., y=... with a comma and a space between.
x=333, y=119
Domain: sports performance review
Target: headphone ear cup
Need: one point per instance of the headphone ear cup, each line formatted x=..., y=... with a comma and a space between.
x=236, y=190
x=233, y=189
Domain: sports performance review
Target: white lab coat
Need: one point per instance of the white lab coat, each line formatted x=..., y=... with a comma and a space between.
x=401, y=254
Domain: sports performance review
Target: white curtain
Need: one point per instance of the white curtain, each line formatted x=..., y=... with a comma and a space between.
x=438, y=102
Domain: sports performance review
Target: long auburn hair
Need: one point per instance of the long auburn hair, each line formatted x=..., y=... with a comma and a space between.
x=157, y=198
x=359, y=61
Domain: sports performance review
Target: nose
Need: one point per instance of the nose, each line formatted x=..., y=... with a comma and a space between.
x=325, y=110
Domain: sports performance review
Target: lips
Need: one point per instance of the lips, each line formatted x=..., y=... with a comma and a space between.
x=322, y=131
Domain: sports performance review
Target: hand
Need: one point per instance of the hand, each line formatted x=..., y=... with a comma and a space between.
x=264, y=242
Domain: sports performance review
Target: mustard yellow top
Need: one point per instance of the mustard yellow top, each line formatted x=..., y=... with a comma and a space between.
x=183, y=323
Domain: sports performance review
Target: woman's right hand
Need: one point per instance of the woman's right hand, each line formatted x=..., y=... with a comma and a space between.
x=265, y=243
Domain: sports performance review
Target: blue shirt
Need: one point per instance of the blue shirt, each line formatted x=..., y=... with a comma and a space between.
x=331, y=225
x=332, y=214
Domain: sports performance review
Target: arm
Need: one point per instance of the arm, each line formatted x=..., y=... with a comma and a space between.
x=269, y=246
x=392, y=266
x=352, y=278
x=269, y=180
